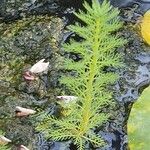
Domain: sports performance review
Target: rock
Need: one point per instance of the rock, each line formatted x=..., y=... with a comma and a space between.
x=22, y=43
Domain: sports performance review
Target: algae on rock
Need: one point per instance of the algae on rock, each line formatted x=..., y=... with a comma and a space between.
x=26, y=41
x=22, y=43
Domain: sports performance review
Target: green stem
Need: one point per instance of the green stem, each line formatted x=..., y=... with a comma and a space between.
x=92, y=72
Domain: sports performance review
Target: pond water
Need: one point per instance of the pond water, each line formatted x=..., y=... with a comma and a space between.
x=30, y=31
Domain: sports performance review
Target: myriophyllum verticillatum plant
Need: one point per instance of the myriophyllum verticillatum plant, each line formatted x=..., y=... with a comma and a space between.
x=89, y=78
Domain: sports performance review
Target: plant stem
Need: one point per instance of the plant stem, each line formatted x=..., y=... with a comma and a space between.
x=92, y=72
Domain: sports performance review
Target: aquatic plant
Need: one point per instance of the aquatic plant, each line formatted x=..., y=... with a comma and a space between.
x=139, y=121
x=88, y=78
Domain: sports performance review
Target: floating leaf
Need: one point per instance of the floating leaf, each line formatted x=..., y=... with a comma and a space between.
x=139, y=123
x=86, y=78
x=145, y=27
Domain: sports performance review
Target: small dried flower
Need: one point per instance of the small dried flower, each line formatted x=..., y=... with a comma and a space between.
x=20, y=111
x=4, y=140
x=67, y=99
x=22, y=147
x=39, y=67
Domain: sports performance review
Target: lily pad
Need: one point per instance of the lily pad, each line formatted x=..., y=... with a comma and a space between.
x=139, y=123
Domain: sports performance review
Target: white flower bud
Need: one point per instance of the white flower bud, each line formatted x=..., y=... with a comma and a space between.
x=39, y=67
x=67, y=99
x=20, y=111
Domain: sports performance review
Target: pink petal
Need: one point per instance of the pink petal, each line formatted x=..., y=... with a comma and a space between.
x=28, y=76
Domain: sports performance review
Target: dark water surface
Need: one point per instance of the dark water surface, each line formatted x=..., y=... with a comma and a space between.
x=26, y=38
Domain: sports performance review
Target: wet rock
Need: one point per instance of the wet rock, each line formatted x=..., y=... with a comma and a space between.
x=28, y=41
x=143, y=5
x=16, y=9
x=23, y=43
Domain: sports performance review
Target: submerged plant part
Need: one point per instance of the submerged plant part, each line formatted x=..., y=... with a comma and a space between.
x=4, y=147
x=90, y=78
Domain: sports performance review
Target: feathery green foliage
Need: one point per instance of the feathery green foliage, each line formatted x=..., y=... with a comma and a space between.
x=89, y=82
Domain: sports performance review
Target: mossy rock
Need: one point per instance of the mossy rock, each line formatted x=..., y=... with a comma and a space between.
x=22, y=44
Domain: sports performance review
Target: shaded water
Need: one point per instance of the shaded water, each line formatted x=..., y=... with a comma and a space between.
x=33, y=38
